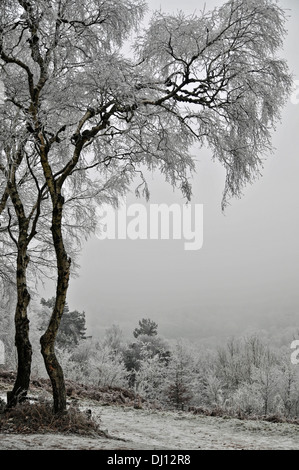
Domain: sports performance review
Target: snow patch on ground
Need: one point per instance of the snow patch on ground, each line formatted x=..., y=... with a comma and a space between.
x=151, y=430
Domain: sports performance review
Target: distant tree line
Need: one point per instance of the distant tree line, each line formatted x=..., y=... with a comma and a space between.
x=245, y=376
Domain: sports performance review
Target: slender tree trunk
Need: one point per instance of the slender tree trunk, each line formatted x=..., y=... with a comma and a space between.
x=48, y=339
x=54, y=370
x=63, y=269
x=22, y=342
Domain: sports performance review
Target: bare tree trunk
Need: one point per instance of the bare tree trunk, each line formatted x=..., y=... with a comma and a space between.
x=22, y=342
x=48, y=339
x=54, y=370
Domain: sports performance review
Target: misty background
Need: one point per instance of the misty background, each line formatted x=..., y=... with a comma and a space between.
x=246, y=275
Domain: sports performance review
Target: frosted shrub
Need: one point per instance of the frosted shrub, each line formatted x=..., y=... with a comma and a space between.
x=279, y=407
x=213, y=390
x=288, y=386
x=150, y=379
x=266, y=378
x=181, y=375
x=92, y=363
x=111, y=370
x=248, y=399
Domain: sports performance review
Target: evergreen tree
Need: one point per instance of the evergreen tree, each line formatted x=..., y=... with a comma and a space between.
x=179, y=390
x=147, y=346
x=72, y=329
x=146, y=327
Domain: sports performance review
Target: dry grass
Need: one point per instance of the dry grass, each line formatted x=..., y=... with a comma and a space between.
x=103, y=395
x=221, y=413
x=39, y=418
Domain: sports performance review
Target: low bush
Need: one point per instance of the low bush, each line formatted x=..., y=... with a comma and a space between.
x=39, y=418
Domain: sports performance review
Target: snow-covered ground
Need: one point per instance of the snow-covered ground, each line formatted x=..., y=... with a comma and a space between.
x=151, y=430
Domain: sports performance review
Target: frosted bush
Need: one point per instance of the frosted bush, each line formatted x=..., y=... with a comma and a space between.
x=213, y=393
x=248, y=399
x=93, y=363
x=151, y=378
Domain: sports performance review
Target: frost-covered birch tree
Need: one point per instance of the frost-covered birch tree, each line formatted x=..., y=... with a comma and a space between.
x=96, y=117
x=21, y=197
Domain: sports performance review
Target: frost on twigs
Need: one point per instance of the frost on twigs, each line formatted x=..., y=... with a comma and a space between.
x=224, y=77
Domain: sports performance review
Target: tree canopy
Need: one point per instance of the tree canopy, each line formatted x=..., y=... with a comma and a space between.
x=81, y=118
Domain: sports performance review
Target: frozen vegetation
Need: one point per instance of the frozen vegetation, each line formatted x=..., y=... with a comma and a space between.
x=151, y=393
x=150, y=430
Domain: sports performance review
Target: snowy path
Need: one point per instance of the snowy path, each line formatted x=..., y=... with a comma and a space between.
x=145, y=430
x=186, y=431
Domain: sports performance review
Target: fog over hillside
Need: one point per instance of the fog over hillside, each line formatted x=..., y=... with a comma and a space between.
x=246, y=274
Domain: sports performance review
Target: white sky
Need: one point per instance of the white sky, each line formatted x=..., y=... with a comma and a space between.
x=248, y=266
